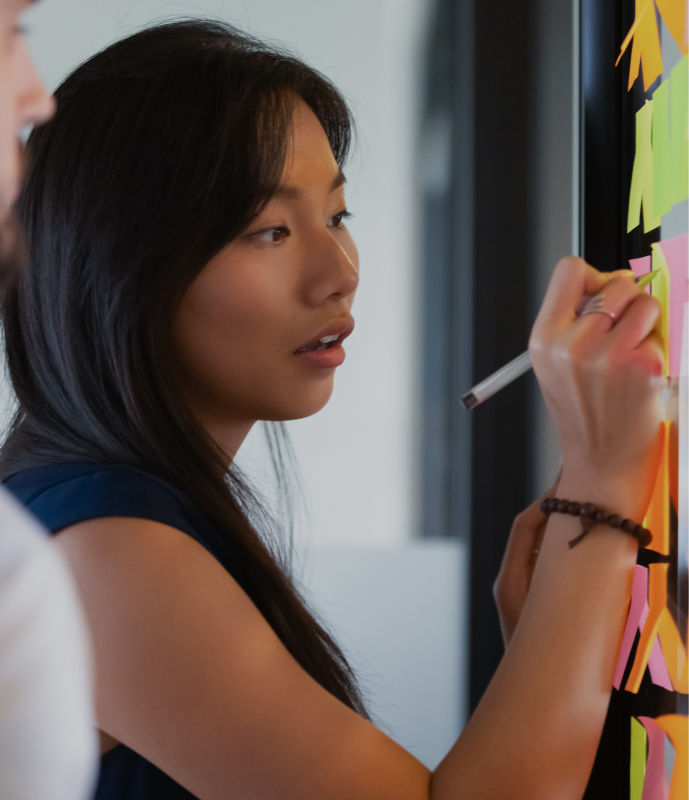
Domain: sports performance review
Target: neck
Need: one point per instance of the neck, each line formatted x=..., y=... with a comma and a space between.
x=228, y=436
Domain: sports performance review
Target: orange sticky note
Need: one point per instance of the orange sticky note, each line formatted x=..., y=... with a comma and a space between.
x=657, y=518
x=675, y=726
x=674, y=14
x=673, y=461
x=657, y=597
x=659, y=623
x=646, y=47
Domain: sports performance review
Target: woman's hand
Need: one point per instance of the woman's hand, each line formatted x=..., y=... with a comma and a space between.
x=600, y=380
x=512, y=585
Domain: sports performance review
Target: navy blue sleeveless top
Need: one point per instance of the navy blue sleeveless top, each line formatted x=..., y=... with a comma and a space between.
x=64, y=494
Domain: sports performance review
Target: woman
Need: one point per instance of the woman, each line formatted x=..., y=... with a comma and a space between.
x=191, y=274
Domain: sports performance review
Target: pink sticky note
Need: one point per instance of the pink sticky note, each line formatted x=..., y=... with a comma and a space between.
x=641, y=266
x=655, y=782
x=636, y=609
x=676, y=253
x=656, y=661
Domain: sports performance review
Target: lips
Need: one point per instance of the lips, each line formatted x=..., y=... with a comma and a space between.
x=329, y=338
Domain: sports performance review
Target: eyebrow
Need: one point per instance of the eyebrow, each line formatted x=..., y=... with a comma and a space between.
x=295, y=193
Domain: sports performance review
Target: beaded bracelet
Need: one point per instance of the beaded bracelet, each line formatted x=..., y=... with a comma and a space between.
x=591, y=515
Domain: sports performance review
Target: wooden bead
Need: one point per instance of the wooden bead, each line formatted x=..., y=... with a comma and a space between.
x=644, y=536
x=591, y=515
x=628, y=526
x=547, y=505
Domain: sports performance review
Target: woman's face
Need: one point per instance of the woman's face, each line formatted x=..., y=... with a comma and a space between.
x=251, y=326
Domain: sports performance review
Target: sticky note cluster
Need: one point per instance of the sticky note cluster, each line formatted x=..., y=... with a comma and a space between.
x=646, y=52
x=671, y=287
x=638, y=614
x=660, y=176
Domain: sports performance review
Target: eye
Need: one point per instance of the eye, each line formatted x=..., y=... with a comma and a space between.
x=338, y=220
x=273, y=235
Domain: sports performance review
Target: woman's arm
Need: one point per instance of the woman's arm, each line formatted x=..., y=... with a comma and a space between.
x=552, y=688
x=192, y=677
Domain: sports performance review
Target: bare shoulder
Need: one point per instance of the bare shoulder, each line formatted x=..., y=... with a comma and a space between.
x=191, y=676
x=100, y=549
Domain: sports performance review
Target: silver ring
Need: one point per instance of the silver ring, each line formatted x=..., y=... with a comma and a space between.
x=595, y=306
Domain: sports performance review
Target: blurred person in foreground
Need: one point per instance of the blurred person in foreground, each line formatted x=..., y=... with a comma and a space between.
x=47, y=738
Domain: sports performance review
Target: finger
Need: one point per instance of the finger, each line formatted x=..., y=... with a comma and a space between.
x=524, y=536
x=618, y=294
x=650, y=356
x=638, y=321
x=538, y=542
x=572, y=278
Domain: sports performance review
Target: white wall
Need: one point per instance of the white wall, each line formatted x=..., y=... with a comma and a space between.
x=398, y=614
x=396, y=606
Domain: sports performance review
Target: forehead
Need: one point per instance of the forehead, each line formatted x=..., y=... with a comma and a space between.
x=309, y=150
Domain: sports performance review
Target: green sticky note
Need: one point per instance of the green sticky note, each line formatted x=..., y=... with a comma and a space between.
x=660, y=289
x=637, y=760
x=641, y=191
x=679, y=131
x=660, y=138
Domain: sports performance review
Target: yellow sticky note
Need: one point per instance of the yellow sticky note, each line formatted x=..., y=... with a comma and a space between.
x=660, y=139
x=674, y=14
x=660, y=288
x=646, y=46
x=675, y=726
x=637, y=760
x=641, y=191
x=679, y=131
x=657, y=518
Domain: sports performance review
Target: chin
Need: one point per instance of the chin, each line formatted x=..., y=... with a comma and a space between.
x=305, y=407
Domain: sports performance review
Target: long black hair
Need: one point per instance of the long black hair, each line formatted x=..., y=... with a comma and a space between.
x=164, y=147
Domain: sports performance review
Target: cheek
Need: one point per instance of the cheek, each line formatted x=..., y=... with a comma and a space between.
x=230, y=330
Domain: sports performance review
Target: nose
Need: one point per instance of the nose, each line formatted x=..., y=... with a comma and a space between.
x=34, y=104
x=334, y=274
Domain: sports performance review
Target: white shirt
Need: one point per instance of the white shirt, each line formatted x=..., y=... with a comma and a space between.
x=48, y=747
